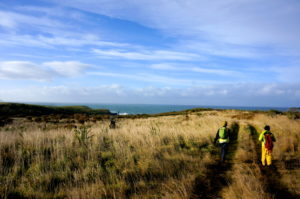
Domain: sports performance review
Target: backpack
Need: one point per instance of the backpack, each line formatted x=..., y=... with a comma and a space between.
x=223, y=133
x=268, y=142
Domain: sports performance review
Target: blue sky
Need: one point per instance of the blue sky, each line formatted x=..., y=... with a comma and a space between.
x=234, y=52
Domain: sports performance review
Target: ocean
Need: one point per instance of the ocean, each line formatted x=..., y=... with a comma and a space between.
x=124, y=109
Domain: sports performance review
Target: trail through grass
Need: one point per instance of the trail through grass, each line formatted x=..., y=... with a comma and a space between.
x=271, y=175
x=210, y=183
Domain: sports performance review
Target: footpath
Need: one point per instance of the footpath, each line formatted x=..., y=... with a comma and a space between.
x=218, y=176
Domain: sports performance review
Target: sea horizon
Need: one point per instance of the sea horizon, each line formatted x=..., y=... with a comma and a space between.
x=125, y=109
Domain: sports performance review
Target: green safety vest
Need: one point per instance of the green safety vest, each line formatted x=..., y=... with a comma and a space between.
x=223, y=135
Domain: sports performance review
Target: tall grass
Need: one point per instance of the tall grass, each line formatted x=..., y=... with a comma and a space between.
x=157, y=157
x=137, y=159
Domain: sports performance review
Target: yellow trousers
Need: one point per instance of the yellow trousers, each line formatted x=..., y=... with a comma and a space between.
x=266, y=156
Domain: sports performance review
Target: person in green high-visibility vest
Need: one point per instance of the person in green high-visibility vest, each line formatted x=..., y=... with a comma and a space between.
x=222, y=138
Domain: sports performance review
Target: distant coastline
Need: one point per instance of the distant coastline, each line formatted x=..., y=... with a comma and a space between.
x=132, y=109
x=69, y=114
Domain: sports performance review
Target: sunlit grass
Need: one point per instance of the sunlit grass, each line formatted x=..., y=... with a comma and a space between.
x=141, y=158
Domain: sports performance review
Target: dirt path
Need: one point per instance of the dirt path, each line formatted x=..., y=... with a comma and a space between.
x=270, y=175
x=210, y=183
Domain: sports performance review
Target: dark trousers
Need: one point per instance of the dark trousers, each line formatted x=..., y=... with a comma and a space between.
x=223, y=147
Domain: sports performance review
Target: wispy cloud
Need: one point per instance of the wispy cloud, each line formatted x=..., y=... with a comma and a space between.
x=72, y=40
x=144, y=78
x=54, y=11
x=287, y=73
x=48, y=28
x=148, y=55
x=44, y=71
x=223, y=49
x=187, y=67
x=247, y=22
x=78, y=40
x=23, y=70
x=68, y=68
x=148, y=77
x=16, y=20
x=6, y=22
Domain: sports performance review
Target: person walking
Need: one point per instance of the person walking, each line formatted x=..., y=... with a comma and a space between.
x=266, y=138
x=222, y=138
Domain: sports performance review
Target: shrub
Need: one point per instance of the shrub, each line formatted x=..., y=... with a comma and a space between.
x=7, y=158
x=273, y=112
x=5, y=120
x=293, y=115
x=83, y=136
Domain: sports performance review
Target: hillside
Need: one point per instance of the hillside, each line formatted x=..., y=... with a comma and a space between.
x=25, y=110
x=156, y=157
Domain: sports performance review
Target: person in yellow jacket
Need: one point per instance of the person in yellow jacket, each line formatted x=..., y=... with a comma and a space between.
x=222, y=138
x=266, y=138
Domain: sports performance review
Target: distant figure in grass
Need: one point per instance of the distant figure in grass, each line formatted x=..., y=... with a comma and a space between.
x=222, y=138
x=266, y=138
x=112, y=124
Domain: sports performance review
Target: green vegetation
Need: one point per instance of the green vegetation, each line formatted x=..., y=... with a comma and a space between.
x=293, y=115
x=25, y=110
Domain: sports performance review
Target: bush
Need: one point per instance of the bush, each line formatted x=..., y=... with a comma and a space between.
x=83, y=136
x=293, y=115
x=5, y=120
x=273, y=112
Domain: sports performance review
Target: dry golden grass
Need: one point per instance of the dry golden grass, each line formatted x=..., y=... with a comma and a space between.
x=246, y=175
x=155, y=157
x=246, y=183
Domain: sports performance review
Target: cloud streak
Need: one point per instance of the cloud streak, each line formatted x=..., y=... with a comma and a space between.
x=147, y=55
x=143, y=77
x=177, y=67
x=72, y=40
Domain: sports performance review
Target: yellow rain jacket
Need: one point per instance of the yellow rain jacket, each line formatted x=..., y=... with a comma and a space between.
x=266, y=156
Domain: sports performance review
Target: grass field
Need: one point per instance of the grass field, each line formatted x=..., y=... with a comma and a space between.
x=156, y=157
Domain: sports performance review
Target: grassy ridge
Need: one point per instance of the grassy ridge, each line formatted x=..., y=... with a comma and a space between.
x=24, y=110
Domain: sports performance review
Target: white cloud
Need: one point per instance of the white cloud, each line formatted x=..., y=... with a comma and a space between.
x=23, y=70
x=213, y=71
x=77, y=40
x=6, y=21
x=15, y=20
x=68, y=68
x=147, y=55
x=44, y=71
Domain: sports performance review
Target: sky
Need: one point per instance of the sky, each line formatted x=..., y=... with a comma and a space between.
x=193, y=52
